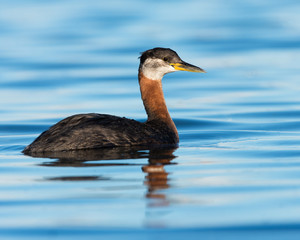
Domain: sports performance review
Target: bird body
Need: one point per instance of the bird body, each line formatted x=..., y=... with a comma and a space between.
x=91, y=131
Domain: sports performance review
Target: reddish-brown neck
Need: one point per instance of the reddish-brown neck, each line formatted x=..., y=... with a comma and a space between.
x=154, y=101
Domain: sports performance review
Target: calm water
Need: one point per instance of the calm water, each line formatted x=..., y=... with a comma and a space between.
x=236, y=173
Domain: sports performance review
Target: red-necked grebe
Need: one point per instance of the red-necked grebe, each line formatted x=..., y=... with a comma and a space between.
x=90, y=131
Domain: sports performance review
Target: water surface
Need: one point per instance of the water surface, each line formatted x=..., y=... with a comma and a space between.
x=236, y=173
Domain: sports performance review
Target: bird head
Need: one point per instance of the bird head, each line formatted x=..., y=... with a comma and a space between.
x=157, y=62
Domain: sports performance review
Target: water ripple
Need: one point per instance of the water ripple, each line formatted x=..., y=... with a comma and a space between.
x=235, y=174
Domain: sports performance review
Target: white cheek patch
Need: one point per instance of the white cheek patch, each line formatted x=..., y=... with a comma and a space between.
x=155, y=69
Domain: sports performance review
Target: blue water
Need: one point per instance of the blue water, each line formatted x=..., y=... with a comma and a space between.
x=236, y=173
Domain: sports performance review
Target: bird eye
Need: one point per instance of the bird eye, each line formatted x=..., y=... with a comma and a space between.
x=166, y=59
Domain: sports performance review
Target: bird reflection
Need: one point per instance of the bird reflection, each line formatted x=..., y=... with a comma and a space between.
x=156, y=176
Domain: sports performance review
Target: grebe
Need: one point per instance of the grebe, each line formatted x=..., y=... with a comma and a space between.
x=91, y=131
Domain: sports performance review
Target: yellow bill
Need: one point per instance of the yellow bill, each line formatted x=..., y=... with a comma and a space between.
x=183, y=66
